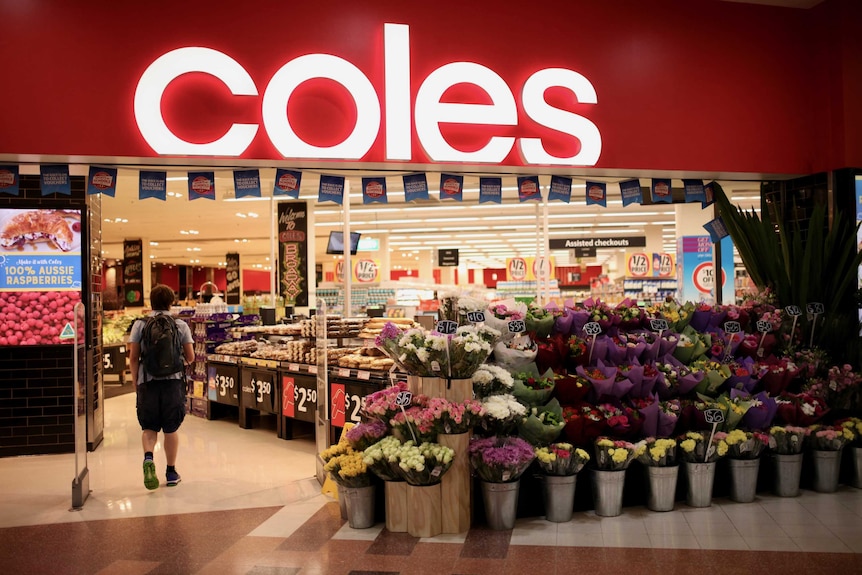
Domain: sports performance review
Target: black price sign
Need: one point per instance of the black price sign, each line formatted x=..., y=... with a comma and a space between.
x=592, y=328
x=476, y=316
x=764, y=326
x=732, y=327
x=713, y=416
x=298, y=397
x=224, y=379
x=658, y=324
x=403, y=398
x=517, y=326
x=793, y=310
x=259, y=390
x=447, y=327
x=815, y=308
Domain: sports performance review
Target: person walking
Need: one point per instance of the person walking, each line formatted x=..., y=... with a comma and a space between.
x=160, y=387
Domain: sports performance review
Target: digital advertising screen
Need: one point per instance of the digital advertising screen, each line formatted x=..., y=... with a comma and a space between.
x=40, y=275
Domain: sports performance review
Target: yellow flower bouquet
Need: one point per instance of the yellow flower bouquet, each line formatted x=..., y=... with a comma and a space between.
x=561, y=459
x=613, y=455
x=349, y=469
x=695, y=447
x=656, y=452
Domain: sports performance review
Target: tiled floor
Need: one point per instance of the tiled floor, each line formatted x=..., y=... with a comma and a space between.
x=249, y=504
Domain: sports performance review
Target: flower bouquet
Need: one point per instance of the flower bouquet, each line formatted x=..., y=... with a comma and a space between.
x=799, y=409
x=668, y=416
x=531, y=388
x=599, y=312
x=746, y=444
x=622, y=421
x=453, y=417
x=584, y=423
x=516, y=352
x=656, y=452
x=569, y=389
x=381, y=404
x=415, y=423
x=613, y=455
x=811, y=362
x=622, y=348
x=742, y=375
x=468, y=349
x=677, y=316
x=761, y=411
x=648, y=408
x=492, y=380
x=542, y=425
x=604, y=380
x=500, y=459
x=840, y=388
x=539, y=320
x=382, y=458
x=776, y=374
x=854, y=424
x=829, y=438
x=551, y=353
x=348, y=469
x=695, y=447
x=499, y=315
x=715, y=375
x=643, y=377
x=363, y=435
x=787, y=439
x=674, y=378
x=416, y=351
x=734, y=408
x=578, y=352
x=707, y=317
x=424, y=464
x=503, y=413
x=561, y=459
x=629, y=314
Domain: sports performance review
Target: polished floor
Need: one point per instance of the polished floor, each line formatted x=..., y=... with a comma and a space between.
x=249, y=504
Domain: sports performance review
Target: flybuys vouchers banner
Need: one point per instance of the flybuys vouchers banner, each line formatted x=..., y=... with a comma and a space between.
x=293, y=252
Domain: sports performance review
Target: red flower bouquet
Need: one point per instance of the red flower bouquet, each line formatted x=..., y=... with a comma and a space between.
x=569, y=389
x=648, y=407
x=776, y=374
x=799, y=409
x=584, y=423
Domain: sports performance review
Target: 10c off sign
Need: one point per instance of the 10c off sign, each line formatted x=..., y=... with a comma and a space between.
x=703, y=277
x=638, y=265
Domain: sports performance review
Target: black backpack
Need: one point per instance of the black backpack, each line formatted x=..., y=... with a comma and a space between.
x=161, y=347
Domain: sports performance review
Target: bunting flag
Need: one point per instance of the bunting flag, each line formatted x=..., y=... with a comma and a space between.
x=708, y=195
x=201, y=185
x=528, y=188
x=451, y=187
x=597, y=194
x=415, y=187
x=491, y=190
x=153, y=185
x=561, y=189
x=102, y=181
x=660, y=191
x=287, y=183
x=9, y=180
x=717, y=230
x=246, y=183
x=55, y=180
x=374, y=191
x=331, y=189
x=693, y=190
x=631, y=192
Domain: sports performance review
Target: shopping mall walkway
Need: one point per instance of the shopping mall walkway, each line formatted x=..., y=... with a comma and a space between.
x=249, y=504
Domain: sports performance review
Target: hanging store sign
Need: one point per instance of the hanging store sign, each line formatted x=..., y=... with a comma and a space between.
x=233, y=290
x=133, y=273
x=293, y=252
x=605, y=242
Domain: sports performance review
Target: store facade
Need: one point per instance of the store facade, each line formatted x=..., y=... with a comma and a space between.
x=663, y=88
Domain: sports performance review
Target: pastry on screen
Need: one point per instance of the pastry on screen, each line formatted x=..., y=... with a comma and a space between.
x=35, y=225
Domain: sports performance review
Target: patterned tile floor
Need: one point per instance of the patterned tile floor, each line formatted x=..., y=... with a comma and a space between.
x=249, y=504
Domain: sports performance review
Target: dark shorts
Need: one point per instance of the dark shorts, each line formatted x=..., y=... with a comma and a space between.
x=161, y=404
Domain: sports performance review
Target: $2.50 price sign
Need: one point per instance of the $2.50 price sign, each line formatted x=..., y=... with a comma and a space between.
x=298, y=397
x=346, y=401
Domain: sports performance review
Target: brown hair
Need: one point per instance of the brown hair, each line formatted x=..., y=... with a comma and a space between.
x=161, y=297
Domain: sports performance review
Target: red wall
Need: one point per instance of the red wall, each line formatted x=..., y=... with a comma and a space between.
x=696, y=85
x=255, y=280
x=488, y=276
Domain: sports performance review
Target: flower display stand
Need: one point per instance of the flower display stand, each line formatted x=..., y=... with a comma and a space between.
x=608, y=492
x=661, y=482
x=501, y=504
x=558, y=493
x=743, y=479
x=856, y=459
x=457, y=485
x=430, y=386
x=457, y=389
x=360, y=506
x=701, y=477
x=788, y=470
x=395, y=494
x=424, y=515
x=826, y=467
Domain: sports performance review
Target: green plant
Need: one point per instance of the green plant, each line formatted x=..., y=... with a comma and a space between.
x=817, y=264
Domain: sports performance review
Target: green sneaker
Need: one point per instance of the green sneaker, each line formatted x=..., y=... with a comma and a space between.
x=151, y=481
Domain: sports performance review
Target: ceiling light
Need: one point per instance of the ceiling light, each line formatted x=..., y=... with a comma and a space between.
x=154, y=243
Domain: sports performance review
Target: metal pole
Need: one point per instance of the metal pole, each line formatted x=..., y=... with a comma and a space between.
x=81, y=481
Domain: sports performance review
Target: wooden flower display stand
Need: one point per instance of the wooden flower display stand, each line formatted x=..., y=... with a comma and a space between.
x=455, y=502
x=425, y=510
x=395, y=495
